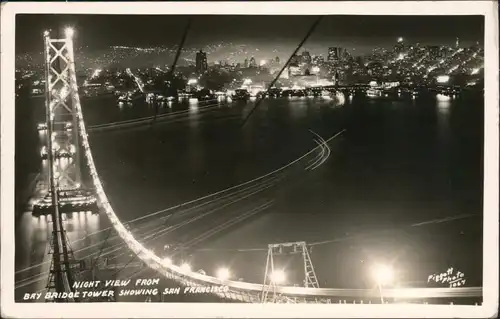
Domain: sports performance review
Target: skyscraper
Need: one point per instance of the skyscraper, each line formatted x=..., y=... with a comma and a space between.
x=434, y=51
x=306, y=57
x=334, y=54
x=201, y=62
x=252, y=63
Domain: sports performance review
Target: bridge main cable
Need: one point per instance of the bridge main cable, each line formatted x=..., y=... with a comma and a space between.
x=241, y=291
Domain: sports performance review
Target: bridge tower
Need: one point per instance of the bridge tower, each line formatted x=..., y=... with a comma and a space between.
x=62, y=110
x=62, y=98
x=272, y=276
x=59, y=141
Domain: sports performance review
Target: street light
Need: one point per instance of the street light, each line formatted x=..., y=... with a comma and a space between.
x=223, y=274
x=167, y=261
x=186, y=267
x=383, y=275
x=278, y=277
x=69, y=32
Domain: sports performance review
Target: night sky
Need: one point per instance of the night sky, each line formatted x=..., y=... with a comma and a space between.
x=360, y=32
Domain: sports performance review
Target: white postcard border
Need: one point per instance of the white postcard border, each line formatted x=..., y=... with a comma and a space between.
x=183, y=310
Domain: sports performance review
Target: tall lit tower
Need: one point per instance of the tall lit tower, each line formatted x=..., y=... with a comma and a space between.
x=62, y=98
x=63, y=147
x=201, y=62
x=61, y=101
x=457, y=43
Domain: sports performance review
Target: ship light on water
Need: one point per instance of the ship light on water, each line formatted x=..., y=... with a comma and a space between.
x=43, y=152
x=443, y=79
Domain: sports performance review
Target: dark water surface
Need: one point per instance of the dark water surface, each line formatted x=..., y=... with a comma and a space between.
x=398, y=163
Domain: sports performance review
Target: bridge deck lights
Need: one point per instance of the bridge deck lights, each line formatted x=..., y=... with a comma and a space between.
x=223, y=274
x=186, y=267
x=278, y=276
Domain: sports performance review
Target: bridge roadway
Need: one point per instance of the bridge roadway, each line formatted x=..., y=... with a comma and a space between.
x=243, y=291
x=183, y=226
x=175, y=233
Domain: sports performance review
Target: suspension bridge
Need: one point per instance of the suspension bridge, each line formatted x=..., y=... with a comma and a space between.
x=68, y=137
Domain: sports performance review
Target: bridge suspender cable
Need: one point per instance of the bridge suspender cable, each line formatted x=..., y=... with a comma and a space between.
x=172, y=69
x=134, y=257
x=171, y=74
x=308, y=34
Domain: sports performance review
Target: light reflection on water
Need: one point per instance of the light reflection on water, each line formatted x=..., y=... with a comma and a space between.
x=193, y=106
x=198, y=155
x=443, y=103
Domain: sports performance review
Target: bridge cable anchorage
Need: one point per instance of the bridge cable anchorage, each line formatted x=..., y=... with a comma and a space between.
x=177, y=55
x=308, y=34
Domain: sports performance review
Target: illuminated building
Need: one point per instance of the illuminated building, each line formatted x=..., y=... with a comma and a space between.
x=336, y=78
x=399, y=47
x=334, y=54
x=201, y=62
x=318, y=59
x=435, y=52
x=306, y=57
x=294, y=70
x=252, y=63
x=295, y=60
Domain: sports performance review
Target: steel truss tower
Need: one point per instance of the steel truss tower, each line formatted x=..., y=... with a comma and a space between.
x=62, y=96
x=270, y=284
x=62, y=152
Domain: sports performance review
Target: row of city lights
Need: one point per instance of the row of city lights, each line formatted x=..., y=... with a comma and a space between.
x=142, y=252
x=382, y=274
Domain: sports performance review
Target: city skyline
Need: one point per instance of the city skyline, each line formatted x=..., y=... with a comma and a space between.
x=359, y=33
x=251, y=159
